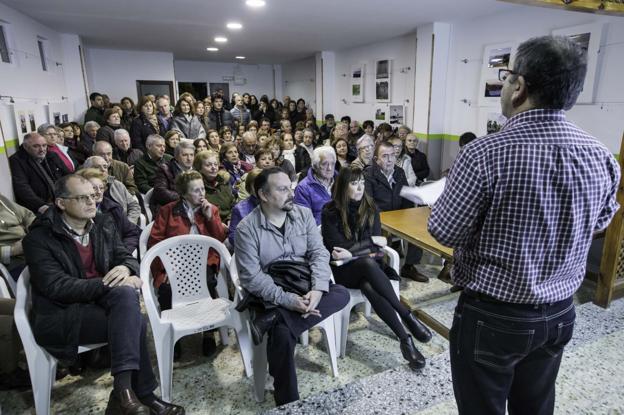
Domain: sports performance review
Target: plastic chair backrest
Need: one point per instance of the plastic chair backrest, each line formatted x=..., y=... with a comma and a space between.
x=185, y=259
x=8, y=281
x=145, y=234
x=4, y=290
x=23, y=303
x=146, y=203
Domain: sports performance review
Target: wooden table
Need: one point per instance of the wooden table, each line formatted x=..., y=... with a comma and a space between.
x=411, y=225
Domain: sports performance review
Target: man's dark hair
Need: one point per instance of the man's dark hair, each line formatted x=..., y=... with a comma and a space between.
x=466, y=137
x=368, y=123
x=386, y=144
x=346, y=119
x=262, y=181
x=60, y=186
x=329, y=117
x=94, y=95
x=554, y=68
x=267, y=119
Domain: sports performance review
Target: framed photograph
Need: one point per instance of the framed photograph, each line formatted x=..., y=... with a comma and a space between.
x=380, y=115
x=382, y=69
x=57, y=118
x=397, y=114
x=495, y=57
x=382, y=91
x=589, y=36
x=59, y=112
x=357, y=82
x=490, y=121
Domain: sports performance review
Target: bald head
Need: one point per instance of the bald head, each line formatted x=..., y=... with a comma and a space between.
x=104, y=150
x=35, y=145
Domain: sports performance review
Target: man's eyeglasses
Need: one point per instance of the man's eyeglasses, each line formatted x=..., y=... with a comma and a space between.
x=81, y=198
x=504, y=73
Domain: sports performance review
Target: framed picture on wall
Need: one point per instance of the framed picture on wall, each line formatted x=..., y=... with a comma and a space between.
x=383, y=80
x=357, y=82
x=382, y=90
x=382, y=69
x=495, y=57
x=589, y=36
x=156, y=88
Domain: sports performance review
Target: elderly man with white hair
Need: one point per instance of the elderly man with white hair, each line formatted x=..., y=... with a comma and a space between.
x=120, y=170
x=145, y=168
x=123, y=150
x=365, y=148
x=116, y=190
x=314, y=191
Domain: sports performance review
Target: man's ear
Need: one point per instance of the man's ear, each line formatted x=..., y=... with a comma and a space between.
x=261, y=195
x=60, y=203
x=520, y=93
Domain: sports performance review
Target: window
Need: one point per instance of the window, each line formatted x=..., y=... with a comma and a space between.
x=5, y=56
x=42, y=54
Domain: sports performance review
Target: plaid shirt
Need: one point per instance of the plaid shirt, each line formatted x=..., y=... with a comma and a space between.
x=520, y=207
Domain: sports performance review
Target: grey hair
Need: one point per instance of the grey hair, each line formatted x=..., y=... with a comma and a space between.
x=248, y=134
x=183, y=145
x=153, y=138
x=308, y=130
x=44, y=127
x=88, y=163
x=362, y=141
x=554, y=69
x=322, y=152
x=91, y=123
x=120, y=132
x=100, y=142
x=61, y=188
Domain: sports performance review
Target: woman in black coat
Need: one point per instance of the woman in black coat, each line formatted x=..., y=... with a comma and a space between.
x=351, y=228
x=145, y=124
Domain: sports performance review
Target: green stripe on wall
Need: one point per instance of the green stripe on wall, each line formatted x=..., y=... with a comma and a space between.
x=446, y=137
x=11, y=143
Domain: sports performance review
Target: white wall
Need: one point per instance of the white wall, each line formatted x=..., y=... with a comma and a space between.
x=604, y=119
x=115, y=72
x=259, y=79
x=402, y=51
x=299, y=80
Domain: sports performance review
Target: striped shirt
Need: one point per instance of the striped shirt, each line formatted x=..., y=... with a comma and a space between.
x=520, y=207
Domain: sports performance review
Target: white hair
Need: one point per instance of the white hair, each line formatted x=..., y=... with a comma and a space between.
x=88, y=164
x=365, y=139
x=101, y=142
x=320, y=153
x=153, y=138
x=183, y=145
x=91, y=123
x=120, y=132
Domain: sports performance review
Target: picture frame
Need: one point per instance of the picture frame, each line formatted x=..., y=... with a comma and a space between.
x=590, y=36
x=397, y=115
x=358, y=74
x=383, y=80
x=495, y=57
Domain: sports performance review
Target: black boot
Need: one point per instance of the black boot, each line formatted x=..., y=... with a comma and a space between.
x=260, y=323
x=411, y=354
x=418, y=329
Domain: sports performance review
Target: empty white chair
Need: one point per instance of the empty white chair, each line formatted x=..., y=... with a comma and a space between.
x=193, y=310
x=357, y=297
x=41, y=365
x=146, y=202
x=9, y=281
x=259, y=360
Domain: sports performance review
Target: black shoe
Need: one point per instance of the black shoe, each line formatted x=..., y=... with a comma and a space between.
x=209, y=346
x=410, y=272
x=418, y=329
x=261, y=324
x=411, y=354
x=456, y=288
x=125, y=403
x=159, y=407
x=445, y=273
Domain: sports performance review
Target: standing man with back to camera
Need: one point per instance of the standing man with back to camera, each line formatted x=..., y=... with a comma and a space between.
x=520, y=208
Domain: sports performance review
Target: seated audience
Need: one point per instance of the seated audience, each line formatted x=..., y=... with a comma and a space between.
x=264, y=112
x=34, y=171
x=184, y=119
x=88, y=296
x=191, y=214
x=146, y=124
x=314, y=191
x=244, y=207
x=107, y=130
x=341, y=147
x=248, y=148
x=265, y=160
x=123, y=151
x=403, y=160
x=218, y=117
x=275, y=146
x=239, y=111
x=326, y=129
x=403, y=131
x=365, y=148
x=76, y=147
x=216, y=182
x=280, y=230
x=55, y=145
x=419, y=159
x=201, y=144
x=232, y=164
x=226, y=134
x=369, y=127
x=383, y=133
x=119, y=170
x=146, y=167
x=351, y=228
x=214, y=141
x=163, y=108
x=288, y=152
x=172, y=139
x=90, y=133
x=128, y=232
x=202, y=115
x=355, y=132
x=96, y=110
x=128, y=113
x=15, y=221
x=465, y=138
x=115, y=189
x=384, y=183
x=166, y=173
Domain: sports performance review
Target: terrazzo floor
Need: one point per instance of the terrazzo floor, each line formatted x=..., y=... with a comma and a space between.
x=372, y=376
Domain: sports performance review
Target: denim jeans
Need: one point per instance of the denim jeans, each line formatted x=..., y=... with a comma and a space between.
x=503, y=353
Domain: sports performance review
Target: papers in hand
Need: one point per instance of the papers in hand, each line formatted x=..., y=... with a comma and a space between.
x=427, y=194
x=339, y=262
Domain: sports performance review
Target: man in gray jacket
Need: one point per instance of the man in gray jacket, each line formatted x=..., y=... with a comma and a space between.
x=280, y=230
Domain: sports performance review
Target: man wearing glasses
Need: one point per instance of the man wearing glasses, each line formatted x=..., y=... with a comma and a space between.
x=84, y=287
x=520, y=208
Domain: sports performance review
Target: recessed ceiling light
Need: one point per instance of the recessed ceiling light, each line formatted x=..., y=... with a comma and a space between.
x=212, y=49
x=240, y=57
x=234, y=26
x=220, y=39
x=255, y=3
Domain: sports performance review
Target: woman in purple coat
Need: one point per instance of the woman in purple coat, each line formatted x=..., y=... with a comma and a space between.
x=314, y=191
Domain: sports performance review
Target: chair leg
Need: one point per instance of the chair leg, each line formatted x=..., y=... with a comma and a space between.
x=259, y=370
x=245, y=345
x=224, y=334
x=42, y=369
x=330, y=340
x=343, y=324
x=367, y=309
x=164, y=354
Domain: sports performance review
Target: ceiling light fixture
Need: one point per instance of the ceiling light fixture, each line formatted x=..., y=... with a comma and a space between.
x=234, y=26
x=240, y=57
x=255, y=3
x=212, y=49
x=220, y=39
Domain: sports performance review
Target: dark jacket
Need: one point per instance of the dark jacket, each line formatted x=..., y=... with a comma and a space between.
x=145, y=171
x=107, y=133
x=302, y=159
x=128, y=231
x=220, y=193
x=386, y=197
x=141, y=128
x=94, y=114
x=30, y=187
x=129, y=157
x=333, y=230
x=164, y=185
x=59, y=286
x=121, y=171
x=219, y=119
x=419, y=164
x=78, y=150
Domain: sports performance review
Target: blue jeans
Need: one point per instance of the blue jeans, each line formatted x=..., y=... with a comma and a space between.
x=503, y=353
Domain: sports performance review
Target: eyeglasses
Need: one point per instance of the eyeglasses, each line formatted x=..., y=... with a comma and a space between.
x=504, y=73
x=81, y=198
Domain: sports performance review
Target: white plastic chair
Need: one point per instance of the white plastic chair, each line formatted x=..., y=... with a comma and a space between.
x=9, y=281
x=145, y=234
x=193, y=310
x=4, y=292
x=41, y=365
x=259, y=360
x=357, y=297
x=146, y=202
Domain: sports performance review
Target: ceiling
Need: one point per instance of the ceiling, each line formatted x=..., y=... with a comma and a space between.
x=282, y=31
